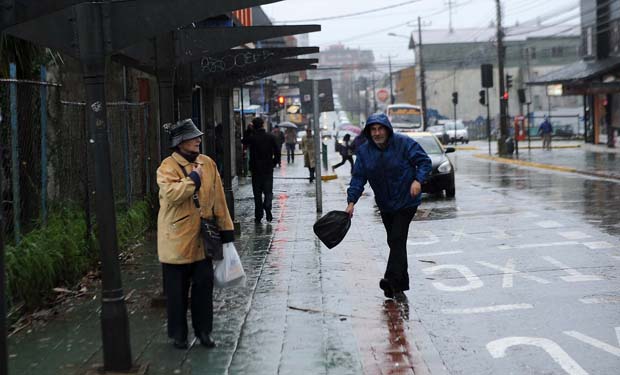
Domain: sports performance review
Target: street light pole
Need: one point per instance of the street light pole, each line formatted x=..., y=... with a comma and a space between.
x=422, y=76
x=391, y=87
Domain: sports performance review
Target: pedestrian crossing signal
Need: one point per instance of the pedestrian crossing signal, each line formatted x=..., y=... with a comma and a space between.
x=281, y=100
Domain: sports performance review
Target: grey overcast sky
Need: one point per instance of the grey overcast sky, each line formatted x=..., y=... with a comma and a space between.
x=370, y=30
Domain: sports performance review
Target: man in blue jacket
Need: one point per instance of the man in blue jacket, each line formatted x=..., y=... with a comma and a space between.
x=396, y=166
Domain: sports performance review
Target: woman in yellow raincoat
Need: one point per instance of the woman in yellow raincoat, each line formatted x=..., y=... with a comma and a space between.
x=179, y=244
x=307, y=147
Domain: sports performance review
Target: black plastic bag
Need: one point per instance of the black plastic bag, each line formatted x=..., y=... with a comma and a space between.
x=332, y=227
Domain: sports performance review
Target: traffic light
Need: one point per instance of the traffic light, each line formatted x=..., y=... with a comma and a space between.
x=281, y=101
x=508, y=81
x=483, y=97
x=505, y=96
x=455, y=98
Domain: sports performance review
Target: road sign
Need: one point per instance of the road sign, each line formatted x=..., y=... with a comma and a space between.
x=383, y=95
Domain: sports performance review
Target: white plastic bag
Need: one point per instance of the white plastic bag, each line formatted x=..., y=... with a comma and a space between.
x=229, y=271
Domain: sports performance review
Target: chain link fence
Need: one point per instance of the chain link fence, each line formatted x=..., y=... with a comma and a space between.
x=46, y=156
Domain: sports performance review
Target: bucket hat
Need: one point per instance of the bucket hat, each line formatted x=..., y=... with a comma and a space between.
x=181, y=131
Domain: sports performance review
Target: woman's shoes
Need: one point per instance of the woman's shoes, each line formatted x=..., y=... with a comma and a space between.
x=180, y=344
x=206, y=340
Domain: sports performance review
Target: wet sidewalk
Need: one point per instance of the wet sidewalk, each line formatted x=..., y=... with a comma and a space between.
x=565, y=156
x=305, y=309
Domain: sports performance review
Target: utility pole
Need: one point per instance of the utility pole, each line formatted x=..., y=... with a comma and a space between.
x=422, y=75
x=374, y=94
x=316, y=113
x=503, y=125
x=450, y=15
x=391, y=86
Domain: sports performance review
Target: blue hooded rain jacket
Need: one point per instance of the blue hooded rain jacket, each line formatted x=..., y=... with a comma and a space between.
x=390, y=171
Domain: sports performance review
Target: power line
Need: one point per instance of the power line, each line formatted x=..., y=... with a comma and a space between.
x=353, y=14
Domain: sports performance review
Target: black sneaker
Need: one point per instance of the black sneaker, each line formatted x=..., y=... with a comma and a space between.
x=385, y=285
x=257, y=220
x=268, y=216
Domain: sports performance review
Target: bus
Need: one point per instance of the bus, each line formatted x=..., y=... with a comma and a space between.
x=405, y=117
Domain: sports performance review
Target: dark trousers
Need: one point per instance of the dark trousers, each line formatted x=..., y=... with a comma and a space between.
x=348, y=158
x=397, y=228
x=290, y=152
x=262, y=184
x=178, y=278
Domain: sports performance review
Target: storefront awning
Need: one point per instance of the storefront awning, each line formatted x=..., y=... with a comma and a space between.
x=256, y=71
x=584, y=77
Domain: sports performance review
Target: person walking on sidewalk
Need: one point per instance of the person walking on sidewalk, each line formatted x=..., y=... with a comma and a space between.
x=346, y=152
x=279, y=141
x=396, y=166
x=290, y=139
x=264, y=155
x=546, y=131
x=307, y=147
x=180, y=177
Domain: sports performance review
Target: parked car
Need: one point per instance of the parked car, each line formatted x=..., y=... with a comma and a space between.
x=442, y=175
x=440, y=132
x=459, y=134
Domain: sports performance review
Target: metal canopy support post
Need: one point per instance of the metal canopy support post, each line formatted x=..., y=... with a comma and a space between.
x=43, y=93
x=163, y=47
x=317, y=145
x=4, y=355
x=114, y=322
x=227, y=140
x=15, y=155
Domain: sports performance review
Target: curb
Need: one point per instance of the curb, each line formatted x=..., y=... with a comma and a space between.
x=550, y=167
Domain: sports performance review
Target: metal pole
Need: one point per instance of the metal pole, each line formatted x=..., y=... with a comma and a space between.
x=488, y=119
x=227, y=140
x=374, y=94
x=43, y=93
x=501, y=54
x=126, y=156
x=529, y=124
x=4, y=355
x=422, y=76
x=147, y=154
x=114, y=321
x=15, y=155
x=317, y=145
x=454, y=106
x=391, y=86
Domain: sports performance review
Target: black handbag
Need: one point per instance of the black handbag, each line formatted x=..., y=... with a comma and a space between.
x=209, y=231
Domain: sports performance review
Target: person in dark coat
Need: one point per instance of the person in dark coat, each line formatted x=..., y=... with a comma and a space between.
x=346, y=150
x=264, y=155
x=279, y=140
x=396, y=166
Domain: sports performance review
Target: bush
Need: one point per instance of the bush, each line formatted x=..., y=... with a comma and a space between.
x=59, y=254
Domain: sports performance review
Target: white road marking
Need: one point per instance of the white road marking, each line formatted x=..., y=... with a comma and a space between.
x=508, y=279
x=512, y=271
x=431, y=239
x=549, y=224
x=536, y=245
x=600, y=300
x=574, y=235
x=438, y=253
x=473, y=281
x=498, y=348
x=458, y=235
x=598, y=245
x=597, y=343
x=575, y=276
x=485, y=309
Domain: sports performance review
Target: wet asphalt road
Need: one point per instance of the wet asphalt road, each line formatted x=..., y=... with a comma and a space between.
x=516, y=275
x=519, y=273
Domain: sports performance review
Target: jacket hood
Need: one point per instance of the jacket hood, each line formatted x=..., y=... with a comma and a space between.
x=377, y=118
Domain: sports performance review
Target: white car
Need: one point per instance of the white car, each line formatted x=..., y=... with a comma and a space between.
x=458, y=133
